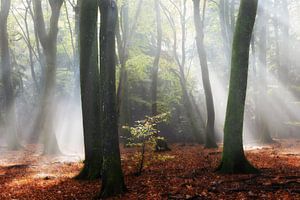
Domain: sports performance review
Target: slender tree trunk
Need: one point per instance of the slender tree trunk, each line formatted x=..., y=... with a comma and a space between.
x=284, y=44
x=161, y=145
x=233, y=158
x=49, y=43
x=226, y=16
x=123, y=41
x=188, y=104
x=262, y=100
x=6, y=69
x=123, y=92
x=210, y=141
x=112, y=175
x=90, y=91
x=156, y=59
x=77, y=9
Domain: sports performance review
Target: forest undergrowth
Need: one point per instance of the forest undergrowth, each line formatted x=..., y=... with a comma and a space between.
x=186, y=172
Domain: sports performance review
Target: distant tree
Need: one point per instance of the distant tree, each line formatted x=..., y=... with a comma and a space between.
x=6, y=72
x=192, y=112
x=90, y=91
x=262, y=98
x=227, y=22
x=124, y=35
x=48, y=41
x=210, y=141
x=156, y=59
x=283, y=17
x=161, y=145
x=112, y=175
x=233, y=158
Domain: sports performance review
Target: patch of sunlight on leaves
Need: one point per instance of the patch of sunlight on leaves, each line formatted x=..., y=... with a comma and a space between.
x=165, y=158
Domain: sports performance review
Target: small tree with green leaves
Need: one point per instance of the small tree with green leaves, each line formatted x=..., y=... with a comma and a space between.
x=145, y=133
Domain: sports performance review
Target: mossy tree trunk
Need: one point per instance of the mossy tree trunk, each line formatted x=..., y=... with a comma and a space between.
x=6, y=72
x=112, y=175
x=210, y=141
x=48, y=41
x=90, y=91
x=233, y=158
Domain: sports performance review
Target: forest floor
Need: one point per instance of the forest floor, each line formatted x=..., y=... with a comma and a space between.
x=186, y=172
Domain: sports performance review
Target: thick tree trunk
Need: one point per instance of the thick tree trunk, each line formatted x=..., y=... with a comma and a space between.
x=6, y=69
x=49, y=44
x=233, y=158
x=112, y=175
x=210, y=141
x=90, y=91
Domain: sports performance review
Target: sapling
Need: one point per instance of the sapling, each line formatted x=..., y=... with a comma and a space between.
x=145, y=133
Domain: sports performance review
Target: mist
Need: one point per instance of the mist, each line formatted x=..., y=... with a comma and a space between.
x=167, y=60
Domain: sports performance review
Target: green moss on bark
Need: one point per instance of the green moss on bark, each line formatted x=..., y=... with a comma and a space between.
x=233, y=158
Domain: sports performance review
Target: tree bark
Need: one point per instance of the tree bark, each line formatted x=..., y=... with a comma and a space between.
x=210, y=141
x=284, y=44
x=5, y=63
x=156, y=59
x=48, y=41
x=189, y=105
x=233, y=158
x=112, y=175
x=262, y=99
x=124, y=36
x=90, y=91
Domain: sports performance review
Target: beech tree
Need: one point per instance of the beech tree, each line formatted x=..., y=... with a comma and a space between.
x=124, y=35
x=112, y=175
x=6, y=72
x=48, y=40
x=262, y=99
x=210, y=141
x=233, y=158
x=90, y=90
x=191, y=109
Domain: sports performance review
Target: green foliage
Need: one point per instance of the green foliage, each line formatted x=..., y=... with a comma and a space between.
x=145, y=133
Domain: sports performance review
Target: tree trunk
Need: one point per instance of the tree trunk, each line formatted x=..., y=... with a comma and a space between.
x=49, y=44
x=233, y=158
x=112, y=175
x=191, y=112
x=5, y=63
x=227, y=19
x=156, y=59
x=77, y=9
x=210, y=141
x=90, y=91
x=284, y=44
x=262, y=99
x=123, y=41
